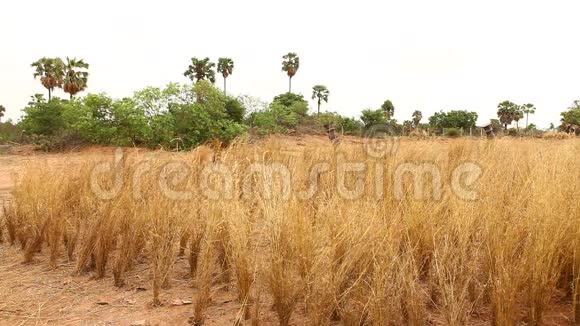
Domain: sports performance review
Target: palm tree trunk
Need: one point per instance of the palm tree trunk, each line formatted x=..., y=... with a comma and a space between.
x=318, y=107
x=527, y=121
x=224, y=86
x=71, y=96
x=289, y=84
x=49, y=95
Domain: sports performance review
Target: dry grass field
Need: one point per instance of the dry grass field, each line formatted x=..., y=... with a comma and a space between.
x=295, y=232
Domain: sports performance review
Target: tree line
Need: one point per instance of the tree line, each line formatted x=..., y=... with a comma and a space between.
x=186, y=115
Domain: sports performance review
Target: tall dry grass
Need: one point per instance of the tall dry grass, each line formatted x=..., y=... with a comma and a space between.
x=378, y=260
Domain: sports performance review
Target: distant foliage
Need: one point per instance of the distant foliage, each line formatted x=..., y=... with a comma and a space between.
x=184, y=114
x=200, y=69
x=290, y=65
x=388, y=109
x=320, y=93
x=281, y=116
x=53, y=73
x=373, y=117
x=348, y=125
x=10, y=132
x=572, y=116
x=508, y=112
x=453, y=119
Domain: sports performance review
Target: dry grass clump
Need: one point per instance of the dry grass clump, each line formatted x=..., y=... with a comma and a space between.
x=361, y=247
x=557, y=135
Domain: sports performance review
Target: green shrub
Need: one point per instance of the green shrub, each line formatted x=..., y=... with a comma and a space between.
x=373, y=118
x=152, y=117
x=453, y=133
x=10, y=132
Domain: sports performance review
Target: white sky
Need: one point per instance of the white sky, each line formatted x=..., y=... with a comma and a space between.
x=425, y=55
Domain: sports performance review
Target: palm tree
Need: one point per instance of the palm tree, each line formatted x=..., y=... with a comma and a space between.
x=321, y=93
x=389, y=109
x=528, y=109
x=75, y=79
x=2, y=110
x=225, y=66
x=506, y=111
x=51, y=73
x=290, y=65
x=518, y=114
x=417, y=116
x=200, y=69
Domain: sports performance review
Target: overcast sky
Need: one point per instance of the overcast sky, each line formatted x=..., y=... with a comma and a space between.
x=422, y=55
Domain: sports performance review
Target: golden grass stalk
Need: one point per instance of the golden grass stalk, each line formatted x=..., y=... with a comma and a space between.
x=373, y=259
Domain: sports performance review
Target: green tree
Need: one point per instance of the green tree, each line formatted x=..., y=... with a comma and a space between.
x=417, y=116
x=97, y=122
x=207, y=118
x=438, y=119
x=2, y=111
x=518, y=115
x=389, y=109
x=42, y=117
x=528, y=109
x=506, y=112
x=9, y=131
x=131, y=123
x=372, y=117
x=571, y=117
x=225, y=66
x=290, y=64
x=51, y=73
x=200, y=70
x=284, y=113
x=321, y=93
x=75, y=78
x=294, y=102
x=454, y=119
x=235, y=110
x=351, y=125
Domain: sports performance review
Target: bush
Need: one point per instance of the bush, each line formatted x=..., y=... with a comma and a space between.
x=152, y=117
x=453, y=133
x=281, y=116
x=9, y=132
x=454, y=119
x=373, y=117
x=235, y=110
